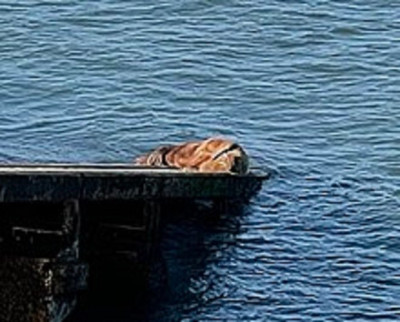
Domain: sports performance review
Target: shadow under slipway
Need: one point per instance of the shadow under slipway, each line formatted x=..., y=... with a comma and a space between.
x=190, y=240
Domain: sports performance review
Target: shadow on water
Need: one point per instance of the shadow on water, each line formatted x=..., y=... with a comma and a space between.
x=190, y=239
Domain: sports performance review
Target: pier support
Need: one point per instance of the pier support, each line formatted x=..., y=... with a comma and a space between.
x=40, y=271
x=56, y=217
x=119, y=239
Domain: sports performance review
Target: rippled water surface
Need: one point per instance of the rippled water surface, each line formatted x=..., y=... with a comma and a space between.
x=310, y=88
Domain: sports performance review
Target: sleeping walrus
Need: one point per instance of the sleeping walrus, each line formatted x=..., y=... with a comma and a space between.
x=211, y=155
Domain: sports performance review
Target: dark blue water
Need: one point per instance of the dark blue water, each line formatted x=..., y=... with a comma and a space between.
x=310, y=88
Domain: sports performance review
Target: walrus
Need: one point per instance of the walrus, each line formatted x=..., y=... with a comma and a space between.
x=209, y=155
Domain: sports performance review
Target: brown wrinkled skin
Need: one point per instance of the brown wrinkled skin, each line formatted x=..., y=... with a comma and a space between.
x=211, y=155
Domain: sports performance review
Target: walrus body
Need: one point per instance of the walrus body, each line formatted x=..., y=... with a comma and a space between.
x=211, y=155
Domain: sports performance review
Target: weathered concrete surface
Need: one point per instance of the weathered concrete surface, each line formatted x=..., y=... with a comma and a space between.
x=40, y=269
x=38, y=289
x=110, y=182
x=41, y=230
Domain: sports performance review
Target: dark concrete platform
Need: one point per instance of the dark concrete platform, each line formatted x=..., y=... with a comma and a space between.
x=66, y=226
x=58, y=182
